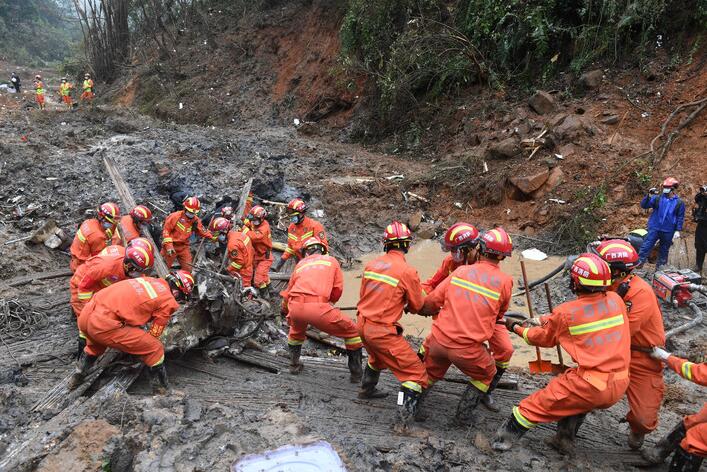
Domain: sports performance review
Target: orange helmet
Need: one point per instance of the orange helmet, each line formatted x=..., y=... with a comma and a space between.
x=143, y=243
x=192, y=205
x=228, y=212
x=590, y=272
x=619, y=254
x=219, y=225
x=296, y=205
x=671, y=182
x=139, y=258
x=496, y=242
x=141, y=213
x=109, y=211
x=183, y=280
x=258, y=213
x=460, y=235
x=313, y=242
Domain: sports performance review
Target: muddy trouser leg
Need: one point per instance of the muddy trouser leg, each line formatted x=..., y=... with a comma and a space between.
x=644, y=396
x=665, y=241
x=502, y=351
x=700, y=245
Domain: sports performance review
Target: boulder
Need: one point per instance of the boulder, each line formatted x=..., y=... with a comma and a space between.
x=425, y=231
x=542, y=103
x=570, y=128
x=610, y=120
x=592, y=79
x=505, y=149
x=530, y=183
x=415, y=220
x=554, y=179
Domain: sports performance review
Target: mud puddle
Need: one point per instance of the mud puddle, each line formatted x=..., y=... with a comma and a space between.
x=426, y=256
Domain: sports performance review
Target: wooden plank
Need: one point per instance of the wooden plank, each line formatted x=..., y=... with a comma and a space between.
x=26, y=279
x=239, y=213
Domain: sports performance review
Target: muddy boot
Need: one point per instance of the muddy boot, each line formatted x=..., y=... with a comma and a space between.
x=369, y=382
x=486, y=399
x=295, y=365
x=469, y=401
x=635, y=440
x=158, y=379
x=355, y=360
x=83, y=365
x=683, y=461
x=420, y=416
x=508, y=434
x=665, y=446
x=408, y=401
x=563, y=440
x=264, y=292
x=81, y=345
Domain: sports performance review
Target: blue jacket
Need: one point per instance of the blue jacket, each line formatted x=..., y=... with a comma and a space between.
x=668, y=213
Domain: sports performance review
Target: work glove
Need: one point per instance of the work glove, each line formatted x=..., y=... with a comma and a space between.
x=511, y=323
x=249, y=293
x=171, y=252
x=676, y=235
x=653, y=191
x=156, y=330
x=659, y=353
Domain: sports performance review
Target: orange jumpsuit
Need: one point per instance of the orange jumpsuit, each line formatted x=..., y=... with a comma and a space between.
x=645, y=388
x=695, y=441
x=448, y=266
x=87, y=90
x=471, y=301
x=115, y=316
x=90, y=240
x=298, y=234
x=39, y=90
x=128, y=228
x=175, y=235
x=316, y=283
x=96, y=274
x=261, y=238
x=388, y=286
x=240, y=256
x=594, y=330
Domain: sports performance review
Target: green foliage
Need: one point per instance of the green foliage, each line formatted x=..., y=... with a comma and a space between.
x=583, y=225
x=36, y=32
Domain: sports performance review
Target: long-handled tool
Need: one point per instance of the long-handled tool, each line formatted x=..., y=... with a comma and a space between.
x=561, y=367
x=538, y=366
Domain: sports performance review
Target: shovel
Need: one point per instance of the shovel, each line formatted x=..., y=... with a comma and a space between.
x=561, y=367
x=538, y=366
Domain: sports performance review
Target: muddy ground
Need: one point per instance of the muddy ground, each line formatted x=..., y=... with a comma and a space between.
x=220, y=410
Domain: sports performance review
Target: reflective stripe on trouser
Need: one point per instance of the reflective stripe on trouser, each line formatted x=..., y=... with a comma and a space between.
x=262, y=270
x=644, y=393
x=245, y=272
x=389, y=350
x=324, y=317
x=566, y=395
x=473, y=360
x=103, y=331
x=501, y=346
x=182, y=254
x=695, y=441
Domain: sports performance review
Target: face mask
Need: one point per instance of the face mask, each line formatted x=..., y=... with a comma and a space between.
x=666, y=190
x=457, y=256
x=106, y=224
x=295, y=219
x=256, y=222
x=189, y=214
x=222, y=238
x=134, y=274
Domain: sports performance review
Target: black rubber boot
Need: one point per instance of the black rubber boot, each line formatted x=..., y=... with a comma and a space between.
x=564, y=438
x=408, y=400
x=487, y=399
x=355, y=360
x=264, y=292
x=83, y=365
x=467, y=404
x=683, y=461
x=421, y=416
x=368, y=384
x=666, y=446
x=158, y=379
x=508, y=434
x=295, y=365
x=81, y=344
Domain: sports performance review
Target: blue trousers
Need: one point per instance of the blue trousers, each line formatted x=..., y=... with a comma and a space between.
x=665, y=239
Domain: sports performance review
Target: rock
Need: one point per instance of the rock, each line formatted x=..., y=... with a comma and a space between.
x=425, y=231
x=592, y=79
x=192, y=410
x=570, y=128
x=554, y=179
x=482, y=443
x=309, y=128
x=542, y=103
x=610, y=120
x=505, y=149
x=415, y=220
x=530, y=183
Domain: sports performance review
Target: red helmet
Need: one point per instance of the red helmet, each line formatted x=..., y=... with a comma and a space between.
x=258, y=213
x=619, y=254
x=313, y=242
x=220, y=225
x=183, y=280
x=296, y=206
x=139, y=257
x=671, y=182
x=192, y=204
x=459, y=235
x=109, y=211
x=141, y=213
x=590, y=272
x=143, y=243
x=496, y=242
x=228, y=212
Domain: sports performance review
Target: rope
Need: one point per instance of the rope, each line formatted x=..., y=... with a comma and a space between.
x=20, y=320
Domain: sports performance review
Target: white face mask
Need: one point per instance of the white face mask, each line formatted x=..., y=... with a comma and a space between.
x=222, y=238
x=457, y=255
x=667, y=190
x=295, y=219
x=106, y=224
x=256, y=222
x=189, y=214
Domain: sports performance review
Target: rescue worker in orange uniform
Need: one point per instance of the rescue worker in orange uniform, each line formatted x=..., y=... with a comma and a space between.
x=315, y=286
x=240, y=255
x=177, y=230
x=131, y=223
x=94, y=235
x=65, y=93
x=389, y=286
x=39, y=91
x=261, y=238
x=689, y=437
x=645, y=388
x=87, y=95
x=471, y=300
x=301, y=228
x=594, y=330
x=116, y=317
x=113, y=264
